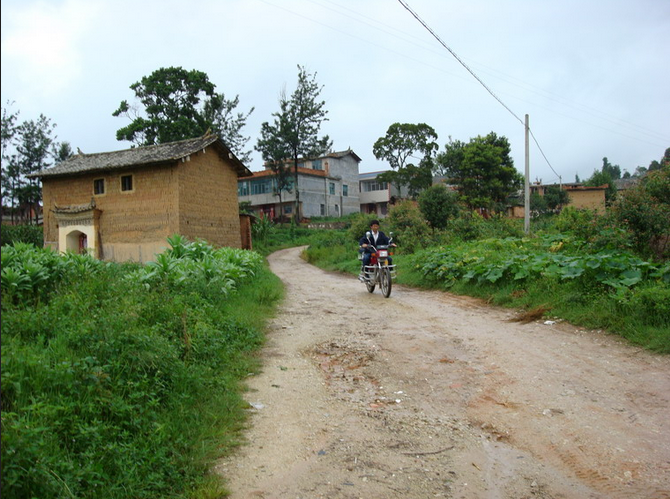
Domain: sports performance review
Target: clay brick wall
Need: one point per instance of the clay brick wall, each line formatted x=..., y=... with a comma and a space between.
x=134, y=225
x=593, y=199
x=208, y=204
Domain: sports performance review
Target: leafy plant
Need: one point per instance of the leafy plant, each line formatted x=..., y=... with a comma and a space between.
x=111, y=383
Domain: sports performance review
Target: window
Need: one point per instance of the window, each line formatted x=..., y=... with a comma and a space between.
x=373, y=185
x=261, y=186
x=316, y=165
x=345, y=190
x=331, y=188
x=243, y=189
x=99, y=186
x=323, y=210
x=126, y=182
x=288, y=208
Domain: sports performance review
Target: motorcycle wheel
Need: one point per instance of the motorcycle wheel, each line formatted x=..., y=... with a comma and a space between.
x=385, y=282
x=371, y=283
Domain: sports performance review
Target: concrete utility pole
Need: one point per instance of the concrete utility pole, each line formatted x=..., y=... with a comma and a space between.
x=526, y=190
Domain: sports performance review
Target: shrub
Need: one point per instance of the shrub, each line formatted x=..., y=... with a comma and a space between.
x=411, y=231
x=360, y=224
x=645, y=212
x=262, y=228
x=438, y=205
x=31, y=234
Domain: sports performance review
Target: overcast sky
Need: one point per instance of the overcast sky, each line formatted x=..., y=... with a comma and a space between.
x=593, y=75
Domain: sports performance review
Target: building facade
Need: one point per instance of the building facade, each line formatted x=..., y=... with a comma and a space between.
x=123, y=205
x=581, y=196
x=328, y=187
x=376, y=196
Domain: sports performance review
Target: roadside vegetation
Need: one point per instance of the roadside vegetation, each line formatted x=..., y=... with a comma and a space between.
x=123, y=380
x=608, y=271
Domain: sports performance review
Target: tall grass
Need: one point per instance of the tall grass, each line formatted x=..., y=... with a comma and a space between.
x=120, y=381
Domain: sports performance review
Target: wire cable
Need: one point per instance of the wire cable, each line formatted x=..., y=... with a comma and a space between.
x=416, y=16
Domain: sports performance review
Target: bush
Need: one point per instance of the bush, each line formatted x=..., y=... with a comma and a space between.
x=262, y=228
x=31, y=234
x=438, y=205
x=360, y=224
x=411, y=231
x=645, y=212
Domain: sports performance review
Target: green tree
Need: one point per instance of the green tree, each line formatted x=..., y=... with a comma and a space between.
x=603, y=178
x=482, y=170
x=228, y=124
x=538, y=204
x=8, y=133
x=438, y=205
x=274, y=153
x=296, y=127
x=614, y=171
x=177, y=104
x=400, y=145
x=645, y=211
x=33, y=146
x=61, y=151
x=657, y=165
x=556, y=197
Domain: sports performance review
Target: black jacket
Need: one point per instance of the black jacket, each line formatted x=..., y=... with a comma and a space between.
x=382, y=239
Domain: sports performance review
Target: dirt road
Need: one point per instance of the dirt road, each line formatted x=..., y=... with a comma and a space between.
x=425, y=394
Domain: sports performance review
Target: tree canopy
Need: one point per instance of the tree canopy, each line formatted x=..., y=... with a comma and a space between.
x=482, y=170
x=176, y=104
x=27, y=148
x=294, y=133
x=438, y=205
x=410, y=151
x=606, y=176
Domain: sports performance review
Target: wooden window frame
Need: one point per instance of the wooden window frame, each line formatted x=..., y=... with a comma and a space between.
x=132, y=183
x=98, y=182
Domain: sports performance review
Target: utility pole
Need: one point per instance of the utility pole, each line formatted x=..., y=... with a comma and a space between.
x=526, y=190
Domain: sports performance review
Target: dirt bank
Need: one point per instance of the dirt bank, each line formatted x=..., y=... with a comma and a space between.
x=425, y=394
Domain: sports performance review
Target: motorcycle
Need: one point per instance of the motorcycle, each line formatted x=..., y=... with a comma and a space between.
x=379, y=272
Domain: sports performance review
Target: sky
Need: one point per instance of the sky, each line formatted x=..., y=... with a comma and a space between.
x=592, y=75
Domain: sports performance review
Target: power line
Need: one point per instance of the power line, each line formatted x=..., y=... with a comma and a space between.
x=416, y=16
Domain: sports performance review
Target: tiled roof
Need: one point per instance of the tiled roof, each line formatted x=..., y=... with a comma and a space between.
x=142, y=156
x=341, y=154
x=301, y=171
x=75, y=208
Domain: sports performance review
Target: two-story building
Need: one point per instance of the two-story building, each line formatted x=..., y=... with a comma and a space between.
x=123, y=205
x=328, y=187
x=376, y=196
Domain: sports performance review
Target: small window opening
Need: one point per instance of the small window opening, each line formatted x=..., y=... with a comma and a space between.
x=127, y=183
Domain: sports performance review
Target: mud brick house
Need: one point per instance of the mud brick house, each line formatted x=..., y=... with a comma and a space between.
x=123, y=205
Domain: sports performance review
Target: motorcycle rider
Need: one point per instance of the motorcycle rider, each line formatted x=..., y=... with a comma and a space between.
x=377, y=237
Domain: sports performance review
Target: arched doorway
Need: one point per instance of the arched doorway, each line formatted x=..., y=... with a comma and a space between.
x=76, y=242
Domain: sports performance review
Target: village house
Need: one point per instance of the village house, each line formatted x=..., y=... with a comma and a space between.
x=328, y=188
x=376, y=196
x=123, y=205
x=581, y=197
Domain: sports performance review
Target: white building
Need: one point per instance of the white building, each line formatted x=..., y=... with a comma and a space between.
x=376, y=196
x=328, y=188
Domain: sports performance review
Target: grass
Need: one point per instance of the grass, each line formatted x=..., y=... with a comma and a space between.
x=118, y=385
